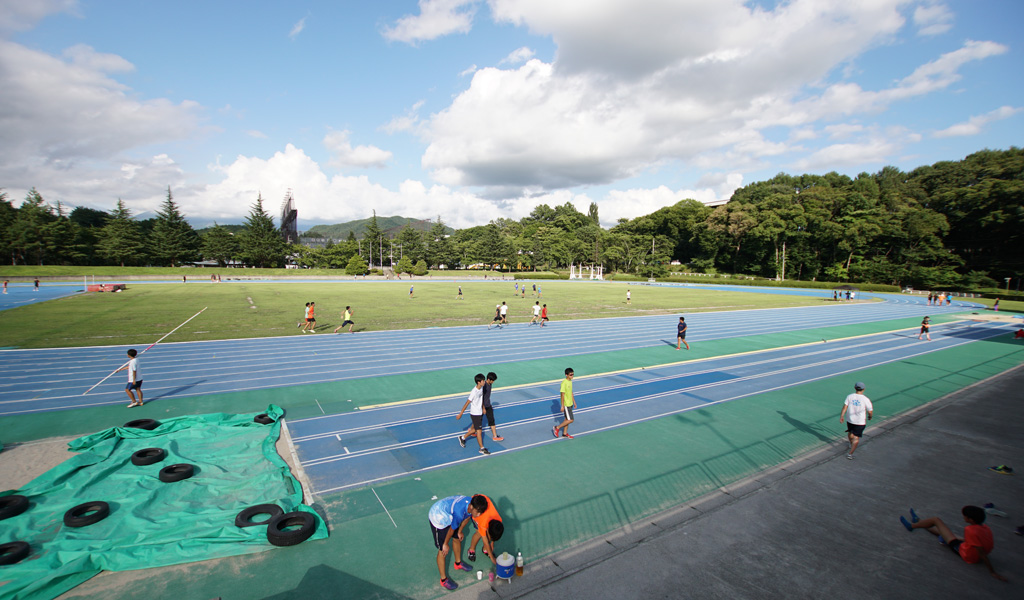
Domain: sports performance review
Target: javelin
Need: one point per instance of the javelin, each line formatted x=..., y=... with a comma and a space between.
x=144, y=351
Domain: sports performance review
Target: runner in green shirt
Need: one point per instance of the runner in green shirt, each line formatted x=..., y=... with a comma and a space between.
x=568, y=403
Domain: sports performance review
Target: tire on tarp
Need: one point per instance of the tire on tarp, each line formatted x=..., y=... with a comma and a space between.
x=263, y=419
x=177, y=472
x=148, y=456
x=147, y=424
x=13, y=552
x=12, y=506
x=87, y=513
x=244, y=518
x=278, y=535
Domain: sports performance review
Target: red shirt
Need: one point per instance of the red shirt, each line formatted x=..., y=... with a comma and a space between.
x=976, y=537
x=544, y=313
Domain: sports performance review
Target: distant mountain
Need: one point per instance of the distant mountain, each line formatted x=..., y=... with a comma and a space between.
x=389, y=225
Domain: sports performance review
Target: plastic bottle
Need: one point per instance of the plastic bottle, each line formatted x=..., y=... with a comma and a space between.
x=519, y=564
x=992, y=510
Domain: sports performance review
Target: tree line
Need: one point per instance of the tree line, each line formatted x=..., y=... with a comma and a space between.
x=951, y=225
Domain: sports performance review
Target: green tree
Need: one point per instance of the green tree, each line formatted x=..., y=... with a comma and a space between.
x=219, y=244
x=356, y=266
x=411, y=243
x=373, y=242
x=405, y=265
x=7, y=216
x=29, y=233
x=260, y=244
x=64, y=239
x=440, y=250
x=120, y=240
x=173, y=240
x=420, y=268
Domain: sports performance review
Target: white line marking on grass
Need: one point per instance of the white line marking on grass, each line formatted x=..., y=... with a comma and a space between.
x=385, y=508
x=318, y=404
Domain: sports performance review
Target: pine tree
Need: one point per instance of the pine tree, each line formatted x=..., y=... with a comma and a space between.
x=219, y=244
x=173, y=240
x=260, y=245
x=374, y=236
x=120, y=238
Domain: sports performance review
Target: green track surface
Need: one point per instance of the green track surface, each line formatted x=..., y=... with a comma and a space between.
x=558, y=495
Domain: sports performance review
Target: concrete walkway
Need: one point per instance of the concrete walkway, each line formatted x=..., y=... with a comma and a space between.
x=822, y=526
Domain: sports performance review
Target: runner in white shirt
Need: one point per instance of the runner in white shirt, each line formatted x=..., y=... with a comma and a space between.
x=857, y=409
x=475, y=403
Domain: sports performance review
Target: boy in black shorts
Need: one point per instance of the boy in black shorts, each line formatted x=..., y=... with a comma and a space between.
x=134, y=378
x=497, y=317
x=488, y=409
x=681, y=333
x=475, y=403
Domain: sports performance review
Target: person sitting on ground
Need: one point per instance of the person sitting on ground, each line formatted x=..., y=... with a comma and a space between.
x=1019, y=334
x=973, y=548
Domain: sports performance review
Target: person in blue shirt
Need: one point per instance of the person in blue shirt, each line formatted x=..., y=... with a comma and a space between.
x=448, y=518
x=681, y=333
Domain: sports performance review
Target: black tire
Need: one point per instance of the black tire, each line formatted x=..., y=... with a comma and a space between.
x=87, y=514
x=279, y=536
x=263, y=419
x=177, y=472
x=13, y=552
x=12, y=506
x=147, y=424
x=148, y=456
x=244, y=518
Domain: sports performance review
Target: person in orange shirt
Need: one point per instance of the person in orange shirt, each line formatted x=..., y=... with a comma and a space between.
x=489, y=527
x=973, y=548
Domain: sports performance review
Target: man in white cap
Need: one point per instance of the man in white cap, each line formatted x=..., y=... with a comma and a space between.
x=857, y=410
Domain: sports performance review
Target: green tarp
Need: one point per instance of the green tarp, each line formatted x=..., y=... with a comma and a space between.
x=151, y=523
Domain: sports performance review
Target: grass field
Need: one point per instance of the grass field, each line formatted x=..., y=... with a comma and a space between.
x=145, y=312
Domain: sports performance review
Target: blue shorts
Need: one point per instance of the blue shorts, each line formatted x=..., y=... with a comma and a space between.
x=134, y=386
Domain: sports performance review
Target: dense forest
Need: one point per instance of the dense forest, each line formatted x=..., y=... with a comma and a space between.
x=951, y=225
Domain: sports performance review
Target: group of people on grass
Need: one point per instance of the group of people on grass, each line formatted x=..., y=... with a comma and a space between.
x=309, y=326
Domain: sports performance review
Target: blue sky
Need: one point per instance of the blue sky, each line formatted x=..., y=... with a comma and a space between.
x=475, y=110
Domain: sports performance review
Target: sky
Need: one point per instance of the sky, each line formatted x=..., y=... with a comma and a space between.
x=473, y=110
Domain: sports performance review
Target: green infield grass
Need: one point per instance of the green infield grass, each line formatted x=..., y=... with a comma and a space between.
x=145, y=312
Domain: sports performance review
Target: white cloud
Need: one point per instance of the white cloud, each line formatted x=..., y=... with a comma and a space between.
x=518, y=56
x=872, y=150
x=255, y=133
x=680, y=81
x=468, y=70
x=297, y=28
x=19, y=15
x=344, y=155
x=87, y=58
x=437, y=18
x=975, y=124
x=59, y=115
x=407, y=122
x=933, y=19
x=843, y=130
